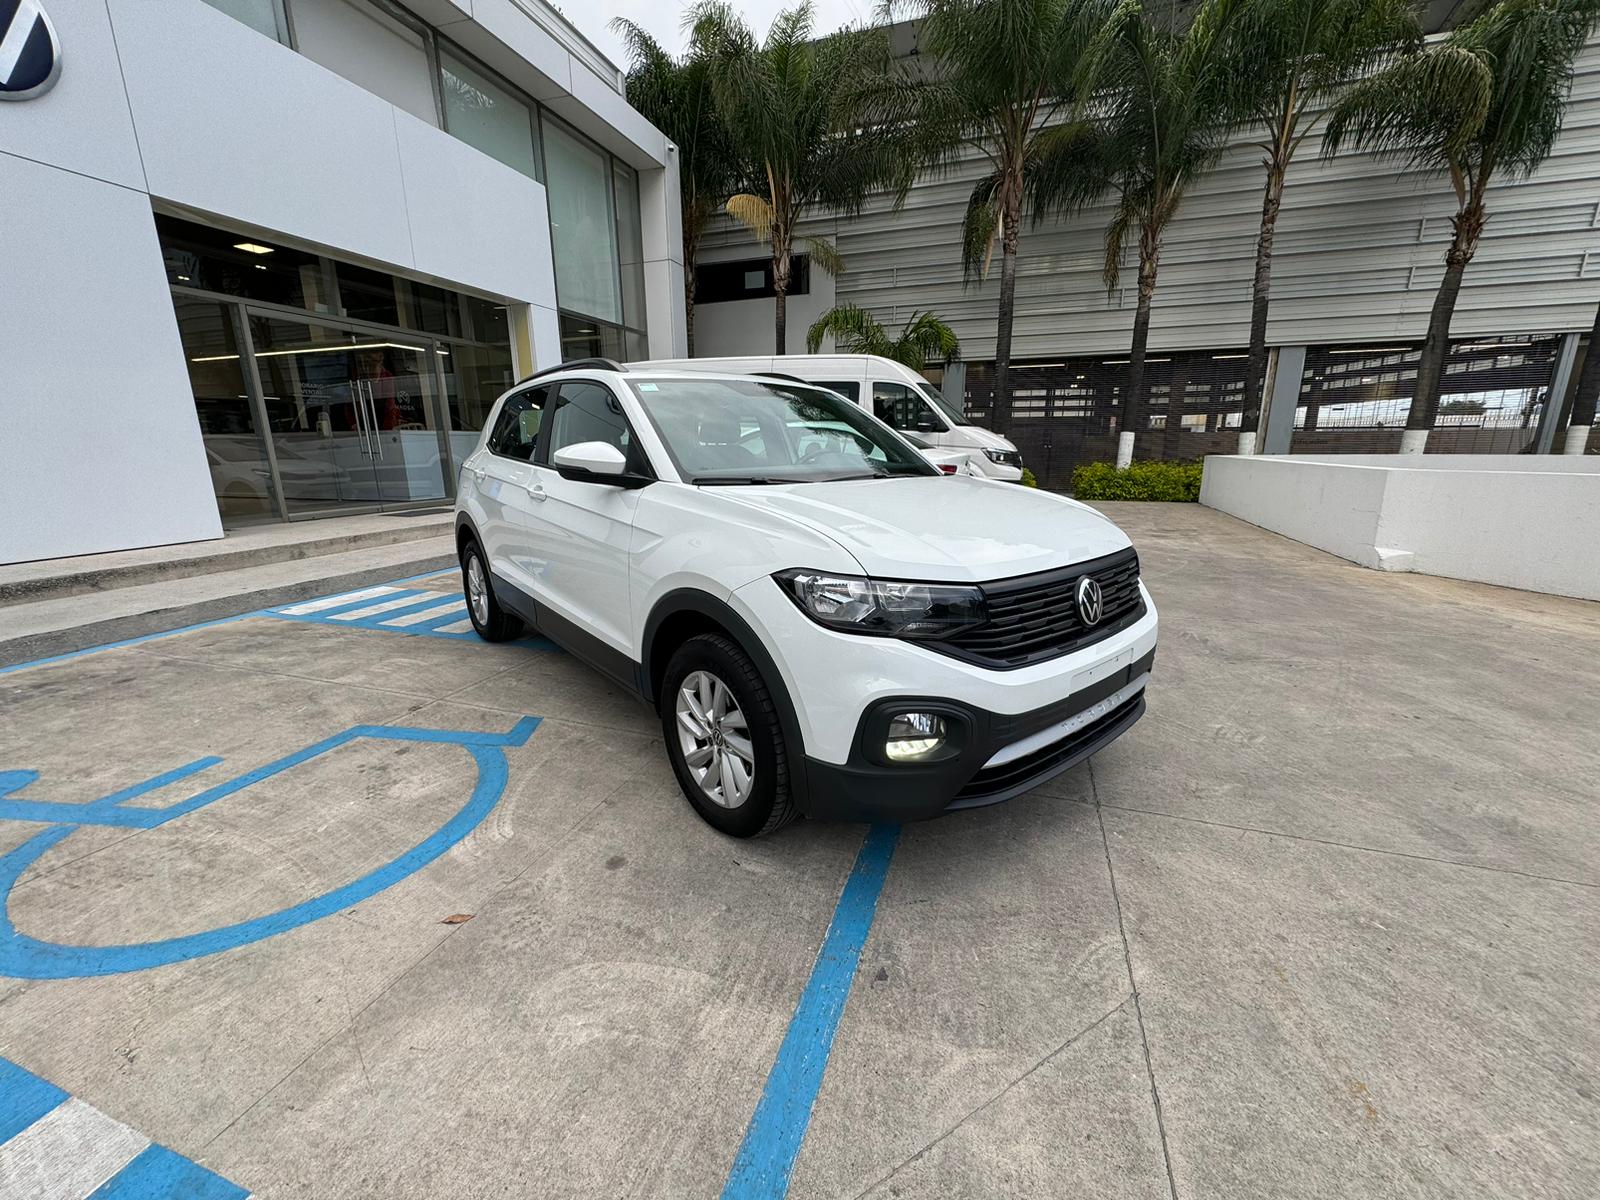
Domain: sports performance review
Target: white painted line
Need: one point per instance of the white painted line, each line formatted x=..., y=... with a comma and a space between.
x=311, y=606
x=66, y=1154
x=372, y=610
x=456, y=627
x=455, y=604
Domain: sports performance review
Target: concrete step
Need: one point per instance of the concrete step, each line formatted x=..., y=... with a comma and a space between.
x=254, y=546
x=63, y=623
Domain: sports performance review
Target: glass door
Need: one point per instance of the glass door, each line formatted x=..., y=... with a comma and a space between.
x=353, y=416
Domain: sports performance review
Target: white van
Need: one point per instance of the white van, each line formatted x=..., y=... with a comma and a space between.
x=892, y=392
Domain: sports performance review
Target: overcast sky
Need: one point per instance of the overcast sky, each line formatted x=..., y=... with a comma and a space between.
x=662, y=18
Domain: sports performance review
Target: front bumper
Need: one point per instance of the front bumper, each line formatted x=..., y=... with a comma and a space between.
x=996, y=755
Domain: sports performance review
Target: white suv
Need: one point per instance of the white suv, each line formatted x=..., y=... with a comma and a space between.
x=826, y=624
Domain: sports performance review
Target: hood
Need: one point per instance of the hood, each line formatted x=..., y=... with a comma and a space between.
x=953, y=528
x=987, y=437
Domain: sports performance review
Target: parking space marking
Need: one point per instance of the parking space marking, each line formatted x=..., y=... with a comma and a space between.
x=772, y=1141
x=26, y=957
x=405, y=602
x=64, y=1149
x=327, y=602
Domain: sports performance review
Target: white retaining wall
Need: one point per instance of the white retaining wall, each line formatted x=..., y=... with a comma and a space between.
x=1521, y=521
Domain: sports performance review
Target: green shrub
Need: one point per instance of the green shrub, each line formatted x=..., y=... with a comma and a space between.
x=1140, y=481
x=1029, y=479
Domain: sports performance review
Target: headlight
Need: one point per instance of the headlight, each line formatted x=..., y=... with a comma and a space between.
x=856, y=604
x=1008, y=458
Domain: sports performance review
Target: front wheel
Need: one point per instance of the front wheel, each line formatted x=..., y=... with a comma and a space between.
x=723, y=737
x=492, y=623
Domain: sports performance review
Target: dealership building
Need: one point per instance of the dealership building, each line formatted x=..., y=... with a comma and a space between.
x=274, y=259
x=1359, y=255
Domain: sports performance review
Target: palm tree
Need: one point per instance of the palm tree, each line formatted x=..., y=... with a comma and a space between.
x=793, y=110
x=856, y=331
x=1290, y=56
x=1168, y=103
x=674, y=94
x=1485, y=101
x=1001, y=71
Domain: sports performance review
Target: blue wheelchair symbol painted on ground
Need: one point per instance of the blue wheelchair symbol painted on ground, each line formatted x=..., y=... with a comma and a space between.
x=26, y=957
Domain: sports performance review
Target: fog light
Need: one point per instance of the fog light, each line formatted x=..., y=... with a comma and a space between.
x=913, y=735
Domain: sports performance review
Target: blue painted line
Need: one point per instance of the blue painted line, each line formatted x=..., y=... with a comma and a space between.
x=166, y=633
x=157, y=1173
x=776, y=1131
x=24, y=1098
x=25, y=957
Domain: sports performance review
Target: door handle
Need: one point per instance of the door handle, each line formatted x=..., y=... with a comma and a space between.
x=536, y=491
x=372, y=418
x=365, y=430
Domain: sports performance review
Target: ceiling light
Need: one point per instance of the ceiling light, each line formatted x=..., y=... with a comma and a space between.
x=253, y=248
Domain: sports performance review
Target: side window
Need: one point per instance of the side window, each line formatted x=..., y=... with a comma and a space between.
x=845, y=387
x=895, y=405
x=516, y=430
x=588, y=412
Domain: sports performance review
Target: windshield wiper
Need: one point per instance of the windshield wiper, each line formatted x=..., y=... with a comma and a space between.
x=736, y=480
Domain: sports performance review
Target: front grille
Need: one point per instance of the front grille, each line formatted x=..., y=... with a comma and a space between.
x=1035, y=617
x=996, y=783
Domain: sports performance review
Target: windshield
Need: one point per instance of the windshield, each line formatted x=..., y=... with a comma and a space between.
x=953, y=414
x=724, y=431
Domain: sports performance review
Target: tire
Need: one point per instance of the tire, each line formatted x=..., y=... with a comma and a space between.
x=492, y=623
x=768, y=803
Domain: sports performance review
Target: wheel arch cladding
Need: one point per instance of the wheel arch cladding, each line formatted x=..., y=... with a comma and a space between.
x=685, y=613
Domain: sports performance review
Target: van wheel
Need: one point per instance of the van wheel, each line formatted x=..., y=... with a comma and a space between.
x=492, y=623
x=723, y=737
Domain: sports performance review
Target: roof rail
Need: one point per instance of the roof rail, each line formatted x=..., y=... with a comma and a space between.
x=576, y=364
x=781, y=375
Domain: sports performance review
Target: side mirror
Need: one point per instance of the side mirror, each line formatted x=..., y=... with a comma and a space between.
x=928, y=423
x=597, y=462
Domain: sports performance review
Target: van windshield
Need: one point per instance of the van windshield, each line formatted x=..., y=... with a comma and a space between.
x=952, y=413
x=723, y=431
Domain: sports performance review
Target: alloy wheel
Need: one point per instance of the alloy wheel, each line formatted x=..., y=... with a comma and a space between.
x=477, y=589
x=715, y=739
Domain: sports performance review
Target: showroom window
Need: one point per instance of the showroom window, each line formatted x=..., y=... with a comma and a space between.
x=582, y=226
x=322, y=386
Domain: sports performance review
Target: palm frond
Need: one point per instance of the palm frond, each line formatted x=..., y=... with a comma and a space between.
x=1427, y=109
x=824, y=254
x=925, y=337
x=854, y=331
x=754, y=213
x=979, y=227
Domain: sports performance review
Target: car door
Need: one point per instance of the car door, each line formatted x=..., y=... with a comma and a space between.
x=502, y=474
x=904, y=409
x=584, y=529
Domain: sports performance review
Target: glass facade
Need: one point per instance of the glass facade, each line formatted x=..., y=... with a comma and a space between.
x=485, y=114
x=321, y=385
x=593, y=198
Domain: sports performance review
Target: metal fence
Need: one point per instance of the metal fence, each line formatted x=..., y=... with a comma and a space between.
x=1353, y=400
x=1065, y=412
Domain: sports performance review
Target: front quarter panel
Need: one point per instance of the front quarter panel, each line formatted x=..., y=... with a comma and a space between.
x=687, y=537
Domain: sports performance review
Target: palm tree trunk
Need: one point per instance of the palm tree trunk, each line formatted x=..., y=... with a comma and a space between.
x=1133, y=399
x=1583, y=400
x=1260, y=296
x=691, y=246
x=781, y=241
x=1468, y=224
x=1011, y=219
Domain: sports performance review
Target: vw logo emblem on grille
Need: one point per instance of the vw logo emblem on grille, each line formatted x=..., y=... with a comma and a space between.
x=30, y=56
x=1091, y=604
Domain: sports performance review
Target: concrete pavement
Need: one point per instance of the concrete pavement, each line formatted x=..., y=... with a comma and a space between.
x=1324, y=924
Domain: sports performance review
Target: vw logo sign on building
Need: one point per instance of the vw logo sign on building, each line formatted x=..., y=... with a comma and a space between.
x=30, y=56
x=1090, y=602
